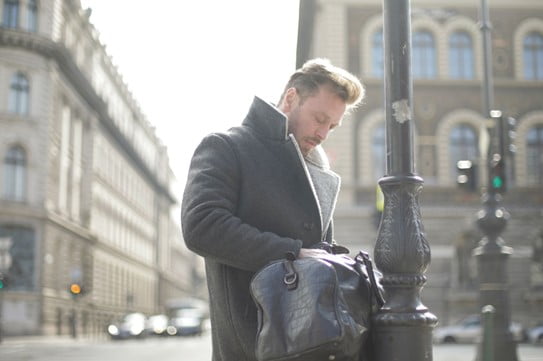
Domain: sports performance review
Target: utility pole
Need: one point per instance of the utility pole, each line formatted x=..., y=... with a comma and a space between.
x=492, y=254
x=403, y=326
x=488, y=86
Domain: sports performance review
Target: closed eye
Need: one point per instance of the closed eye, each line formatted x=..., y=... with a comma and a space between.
x=320, y=120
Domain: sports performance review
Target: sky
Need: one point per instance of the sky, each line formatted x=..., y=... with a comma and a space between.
x=195, y=66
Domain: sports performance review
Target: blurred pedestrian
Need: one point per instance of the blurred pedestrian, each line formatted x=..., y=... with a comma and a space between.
x=261, y=190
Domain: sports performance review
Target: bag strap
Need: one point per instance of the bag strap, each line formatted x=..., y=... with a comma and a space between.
x=332, y=248
x=364, y=257
x=291, y=276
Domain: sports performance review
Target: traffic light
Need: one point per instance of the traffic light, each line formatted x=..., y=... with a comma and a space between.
x=3, y=281
x=497, y=176
x=466, y=175
x=75, y=289
x=508, y=135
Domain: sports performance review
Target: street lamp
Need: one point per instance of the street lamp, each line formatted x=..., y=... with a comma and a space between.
x=403, y=326
x=492, y=254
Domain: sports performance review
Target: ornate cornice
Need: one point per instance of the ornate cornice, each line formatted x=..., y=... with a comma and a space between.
x=28, y=41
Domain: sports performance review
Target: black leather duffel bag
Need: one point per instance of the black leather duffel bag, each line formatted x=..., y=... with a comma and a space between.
x=315, y=308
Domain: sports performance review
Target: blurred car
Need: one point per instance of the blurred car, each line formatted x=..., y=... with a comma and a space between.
x=131, y=325
x=187, y=322
x=156, y=325
x=469, y=329
x=535, y=334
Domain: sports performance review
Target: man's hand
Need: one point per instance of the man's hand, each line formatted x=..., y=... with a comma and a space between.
x=311, y=252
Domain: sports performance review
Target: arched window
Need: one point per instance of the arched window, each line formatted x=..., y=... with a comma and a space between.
x=18, y=97
x=534, y=155
x=15, y=174
x=424, y=55
x=377, y=61
x=11, y=13
x=32, y=15
x=533, y=56
x=460, y=55
x=378, y=152
x=462, y=145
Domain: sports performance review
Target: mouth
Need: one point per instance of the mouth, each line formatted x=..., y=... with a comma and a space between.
x=312, y=142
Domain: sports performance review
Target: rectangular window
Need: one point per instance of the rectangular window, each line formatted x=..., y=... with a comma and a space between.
x=11, y=13
x=76, y=166
x=21, y=272
x=64, y=159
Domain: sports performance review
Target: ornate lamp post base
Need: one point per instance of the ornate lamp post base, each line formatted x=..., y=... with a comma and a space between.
x=403, y=325
x=492, y=258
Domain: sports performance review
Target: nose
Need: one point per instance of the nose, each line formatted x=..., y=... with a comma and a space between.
x=322, y=133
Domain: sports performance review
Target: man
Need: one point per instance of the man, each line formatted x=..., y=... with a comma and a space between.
x=261, y=190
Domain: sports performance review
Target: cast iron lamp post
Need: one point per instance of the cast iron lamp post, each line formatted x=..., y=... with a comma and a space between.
x=492, y=254
x=403, y=325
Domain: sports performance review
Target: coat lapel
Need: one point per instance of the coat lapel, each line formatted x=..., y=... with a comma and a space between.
x=326, y=184
x=272, y=124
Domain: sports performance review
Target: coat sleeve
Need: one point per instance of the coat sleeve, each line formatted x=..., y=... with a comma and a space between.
x=208, y=213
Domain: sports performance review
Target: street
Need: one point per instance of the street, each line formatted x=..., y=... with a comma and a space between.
x=176, y=349
x=150, y=349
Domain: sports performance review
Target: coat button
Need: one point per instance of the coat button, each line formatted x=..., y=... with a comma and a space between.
x=309, y=226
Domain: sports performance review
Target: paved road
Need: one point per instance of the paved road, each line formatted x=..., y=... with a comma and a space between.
x=467, y=352
x=176, y=349
x=151, y=349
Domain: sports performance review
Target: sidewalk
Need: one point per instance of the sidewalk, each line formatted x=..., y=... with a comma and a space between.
x=441, y=352
x=468, y=352
x=52, y=339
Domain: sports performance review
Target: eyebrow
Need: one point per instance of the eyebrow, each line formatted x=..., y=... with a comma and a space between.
x=321, y=114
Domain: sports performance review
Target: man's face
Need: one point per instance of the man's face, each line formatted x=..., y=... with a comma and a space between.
x=312, y=121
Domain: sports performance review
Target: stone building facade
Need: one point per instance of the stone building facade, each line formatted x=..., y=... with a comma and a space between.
x=86, y=190
x=447, y=67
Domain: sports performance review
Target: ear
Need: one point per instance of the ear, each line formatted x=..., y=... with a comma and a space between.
x=290, y=100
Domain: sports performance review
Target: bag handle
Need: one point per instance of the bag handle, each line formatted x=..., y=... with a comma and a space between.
x=364, y=257
x=291, y=276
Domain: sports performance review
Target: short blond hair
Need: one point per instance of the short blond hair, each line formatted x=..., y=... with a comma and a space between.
x=318, y=72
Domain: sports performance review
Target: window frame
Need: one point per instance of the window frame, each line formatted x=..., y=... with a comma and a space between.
x=377, y=54
x=424, y=54
x=19, y=94
x=461, y=146
x=10, y=14
x=534, y=167
x=32, y=15
x=15, y=174
x=532, y=58
x=461, y=53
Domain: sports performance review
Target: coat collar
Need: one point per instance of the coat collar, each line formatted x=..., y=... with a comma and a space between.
x=268, y=121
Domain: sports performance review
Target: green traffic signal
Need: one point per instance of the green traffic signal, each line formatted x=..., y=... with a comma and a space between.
x=497, y=175
x=1, y=284
x=497, y=182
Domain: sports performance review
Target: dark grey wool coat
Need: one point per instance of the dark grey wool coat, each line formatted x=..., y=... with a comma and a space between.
x=250, y=197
